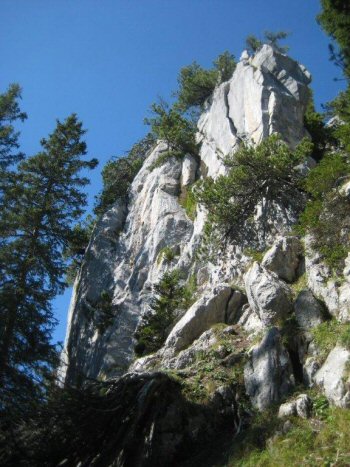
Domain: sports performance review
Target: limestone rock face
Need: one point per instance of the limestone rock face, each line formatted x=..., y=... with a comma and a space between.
x=283, y=258
x=266, y=94
x=268, y=374
x=125, y=263
x=334, y=294
x=309, y=312
x=332, y=377
x=211, y=308
x=268, y=297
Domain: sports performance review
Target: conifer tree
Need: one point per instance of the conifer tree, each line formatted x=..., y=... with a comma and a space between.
x=42, y=203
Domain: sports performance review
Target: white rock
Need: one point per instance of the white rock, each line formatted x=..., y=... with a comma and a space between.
x=335, y=295
x=189, y=169
x=283, y=258
x=269, y=297
x=333, y=377
x=208, y=310
x=268, y=374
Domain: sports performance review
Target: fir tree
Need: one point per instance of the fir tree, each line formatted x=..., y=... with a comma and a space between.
x=43, y=201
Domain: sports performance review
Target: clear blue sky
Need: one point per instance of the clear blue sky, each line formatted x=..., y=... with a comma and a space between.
x=108, y=60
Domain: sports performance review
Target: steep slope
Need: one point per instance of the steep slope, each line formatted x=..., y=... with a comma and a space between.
x=266, y=94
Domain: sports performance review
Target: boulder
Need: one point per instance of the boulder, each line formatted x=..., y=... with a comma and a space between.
x=235, y=306
x=250, y=321
x=301, y=407
x=333, y=377
x=309, y=311
x=210, y=309
x=268, y=374
x=283, y=258
x=268, y=297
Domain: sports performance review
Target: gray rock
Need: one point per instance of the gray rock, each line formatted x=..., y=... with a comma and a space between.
x=309, y=311
x=301, y=407
x=235, y=305
x=269, y=297
x=283, y=258
x=268, y=374
x=310, y=368
x=189, y=169
x=250, y=321
x=208, y=310
x=333, y=377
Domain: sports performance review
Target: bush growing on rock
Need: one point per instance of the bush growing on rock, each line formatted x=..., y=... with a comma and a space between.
x=155, y=326
x=263, y=176
x=327, y=214
x=169, y=125
x=119, y=173
x=197, y=84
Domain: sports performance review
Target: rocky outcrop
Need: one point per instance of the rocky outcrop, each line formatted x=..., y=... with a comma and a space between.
x=309, y=311
x=333, y=377
x=266, y=94
x=284, y=258
x=268, y=297
x=334, y=293
x=301, y=407
x=268, y=375
x=211, y=308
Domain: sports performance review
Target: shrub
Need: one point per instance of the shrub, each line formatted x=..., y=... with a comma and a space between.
x=327, y=214
x=188, y=201
x=119, y=173
x=170, y=126
x=264, y=175
x=197, y=84
x=155, y=325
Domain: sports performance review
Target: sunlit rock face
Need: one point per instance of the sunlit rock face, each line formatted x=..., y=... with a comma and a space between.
x=267, y=94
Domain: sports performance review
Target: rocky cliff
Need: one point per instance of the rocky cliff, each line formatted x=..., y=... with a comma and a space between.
x=267, y=94
x=250, y=322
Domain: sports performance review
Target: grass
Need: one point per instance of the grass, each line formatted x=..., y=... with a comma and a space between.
x=209, y=371
x=311, y=442
x=255, y=254
x=188, y=201
x=330, y=333
x=299, y=285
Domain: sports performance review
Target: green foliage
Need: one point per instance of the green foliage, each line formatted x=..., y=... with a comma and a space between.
x=302, y=445
x=104, y=315
x=188, y=201
x=119, y=173
x=170, y=126
x=197, y=84
x=321, y=135
x=326, y=336
x=225, y=64
x=77, y=244
x=327, y=214
x=42, y=205
x=262, y=175
x=253, y=44
x=167, y=253
x=155, y=326
x=335, y=20
x=10, y=113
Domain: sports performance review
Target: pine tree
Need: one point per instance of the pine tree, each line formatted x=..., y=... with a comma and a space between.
x=43, y=201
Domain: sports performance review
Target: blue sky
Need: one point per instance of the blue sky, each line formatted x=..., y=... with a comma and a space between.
x=108, y=60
